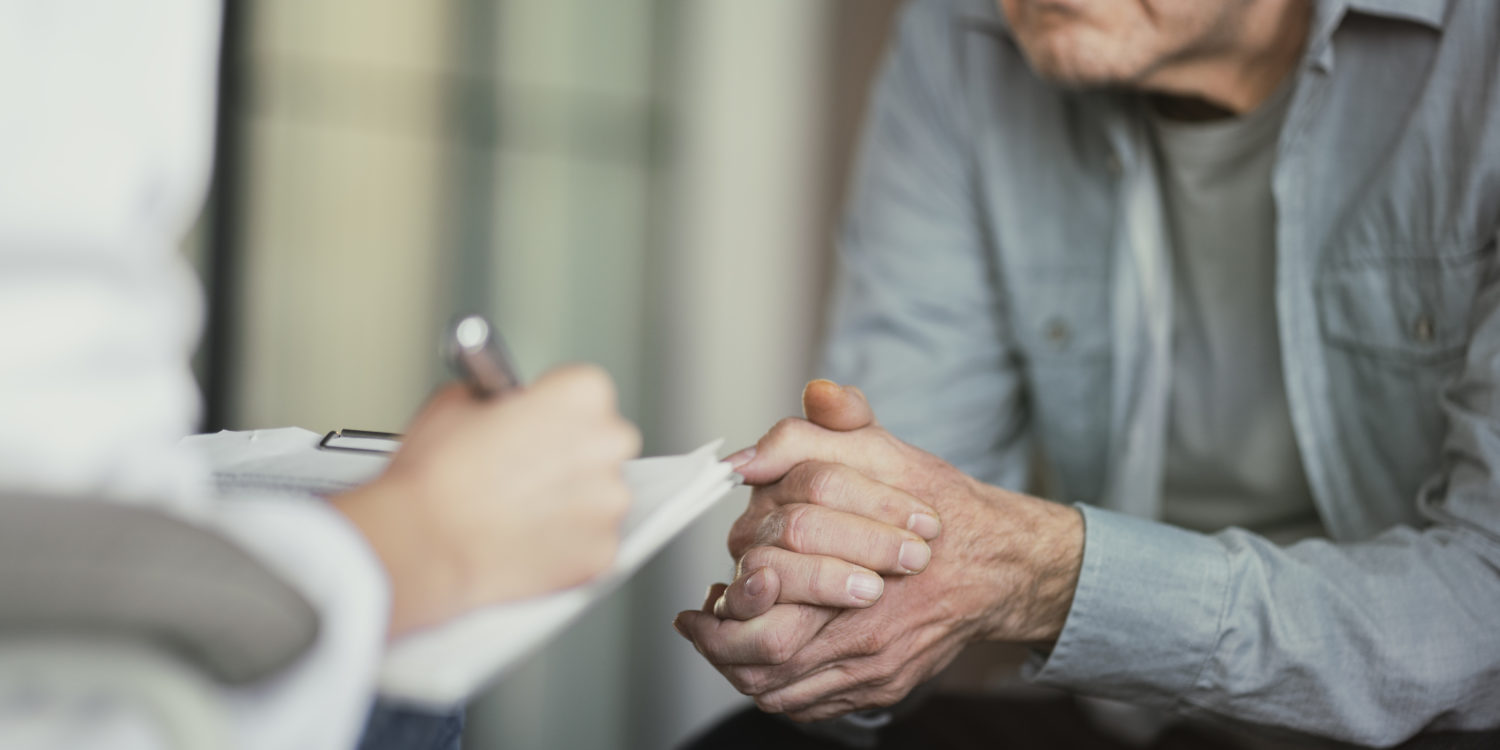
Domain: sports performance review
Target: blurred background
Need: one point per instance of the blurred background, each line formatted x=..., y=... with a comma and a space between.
x=651, y=185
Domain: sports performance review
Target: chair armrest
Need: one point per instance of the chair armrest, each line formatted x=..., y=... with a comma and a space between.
x=71, y=566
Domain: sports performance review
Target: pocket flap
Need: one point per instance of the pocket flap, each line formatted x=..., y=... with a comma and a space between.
x=1413, y=309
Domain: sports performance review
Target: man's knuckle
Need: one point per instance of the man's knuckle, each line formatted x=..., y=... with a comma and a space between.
x=741, y=536
x=755, y=558
x=838, y=707
x=883, y=669
x=794, y=704
x=795, y=527
x=771, y=704
x=747, y=680
x=816, y=576
x=888, y=695
x=788, y=430
x=867, y=643
x=780, y=646
x=879, y=698
x=771, y=528
x=823, y=483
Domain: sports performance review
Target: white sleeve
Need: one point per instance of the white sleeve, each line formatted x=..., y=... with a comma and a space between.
x=106, y=140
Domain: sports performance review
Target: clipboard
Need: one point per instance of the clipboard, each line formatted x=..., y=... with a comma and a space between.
x=442, y=667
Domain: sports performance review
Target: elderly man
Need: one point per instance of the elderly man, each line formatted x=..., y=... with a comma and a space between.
x=1221, y=275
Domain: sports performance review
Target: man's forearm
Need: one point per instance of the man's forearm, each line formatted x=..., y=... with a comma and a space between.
x=1366, y=642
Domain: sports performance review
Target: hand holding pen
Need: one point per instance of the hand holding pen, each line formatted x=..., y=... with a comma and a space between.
x=493, y=499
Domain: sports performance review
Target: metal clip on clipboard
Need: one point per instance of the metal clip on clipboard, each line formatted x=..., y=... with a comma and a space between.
x=361, y=441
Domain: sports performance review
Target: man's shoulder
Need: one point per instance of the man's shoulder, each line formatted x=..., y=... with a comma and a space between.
x=1471, y=27
x=988, y=9
x=956, y=14
x=938, y=31
x=1474, y=27
x=950, y=17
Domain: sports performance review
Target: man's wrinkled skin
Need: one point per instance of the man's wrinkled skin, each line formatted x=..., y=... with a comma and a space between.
x=1003, y=567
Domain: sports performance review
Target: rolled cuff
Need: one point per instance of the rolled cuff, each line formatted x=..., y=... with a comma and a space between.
x=321, y=700
x=1146, y=614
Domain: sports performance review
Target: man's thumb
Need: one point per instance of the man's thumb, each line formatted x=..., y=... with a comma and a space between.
x=834, y=407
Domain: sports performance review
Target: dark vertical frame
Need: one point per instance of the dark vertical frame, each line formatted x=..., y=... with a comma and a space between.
x=222, y=253
x=472, y=119
x=471, y=123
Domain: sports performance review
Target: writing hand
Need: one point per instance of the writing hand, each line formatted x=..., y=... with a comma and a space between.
x=498, y=499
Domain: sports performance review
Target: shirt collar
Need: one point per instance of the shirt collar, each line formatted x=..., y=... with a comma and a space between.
x=1430, y=13
x=1328, y=15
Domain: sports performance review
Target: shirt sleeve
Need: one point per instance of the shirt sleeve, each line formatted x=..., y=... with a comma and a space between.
x=1368, y=642
x=916, y=316
x=106, y=140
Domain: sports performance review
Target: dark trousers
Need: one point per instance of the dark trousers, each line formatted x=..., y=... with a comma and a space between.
x=393, y=727
x=947, y=721
x=952, y=722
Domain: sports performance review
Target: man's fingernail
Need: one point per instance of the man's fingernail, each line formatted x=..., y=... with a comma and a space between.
x=677, y=626
x=865, y=587
x=925, y=526
x=816, y=381
x=740, y=459
x=914, y=556
x=755, y=584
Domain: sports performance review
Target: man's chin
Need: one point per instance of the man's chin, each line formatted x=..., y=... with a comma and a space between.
x=1077, y=63
x=1072, y=77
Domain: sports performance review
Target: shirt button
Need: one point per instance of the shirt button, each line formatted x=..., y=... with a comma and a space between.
x=1057, y=332
x=1421, y=330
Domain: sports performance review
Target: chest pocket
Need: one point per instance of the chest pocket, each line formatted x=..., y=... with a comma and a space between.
x=1062, y=319
x=1403, y=311
x=1062, y=328
x=1395, y=333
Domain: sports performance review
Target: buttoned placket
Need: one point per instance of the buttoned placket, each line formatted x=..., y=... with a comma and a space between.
x=1304, y=375
x=1142, y=322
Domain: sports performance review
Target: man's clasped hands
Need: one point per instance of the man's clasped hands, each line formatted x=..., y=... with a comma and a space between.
x=865, y=565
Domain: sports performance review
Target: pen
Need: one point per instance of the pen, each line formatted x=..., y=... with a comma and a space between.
x=477, y=353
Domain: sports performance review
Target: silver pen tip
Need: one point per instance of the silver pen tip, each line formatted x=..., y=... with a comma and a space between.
x=472, y=332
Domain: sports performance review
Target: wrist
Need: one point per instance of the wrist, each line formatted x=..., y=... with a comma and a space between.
x=1057, y=561
x=426, y=589
x=1041, y=562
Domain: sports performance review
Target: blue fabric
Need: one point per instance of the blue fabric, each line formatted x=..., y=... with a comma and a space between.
x=1004, y=289
x=392, y=727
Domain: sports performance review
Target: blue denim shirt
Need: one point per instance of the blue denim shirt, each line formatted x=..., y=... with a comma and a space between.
x=1005, y=293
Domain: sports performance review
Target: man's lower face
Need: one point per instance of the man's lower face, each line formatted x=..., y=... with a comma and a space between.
x=1114, y=42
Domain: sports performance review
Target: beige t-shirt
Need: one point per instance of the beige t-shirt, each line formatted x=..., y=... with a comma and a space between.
x=1231, y=456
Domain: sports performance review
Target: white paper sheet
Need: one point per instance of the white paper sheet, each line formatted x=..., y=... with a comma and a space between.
x=442, y=667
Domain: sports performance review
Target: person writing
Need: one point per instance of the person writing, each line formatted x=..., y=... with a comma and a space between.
x=493, y=500
x=107, y=141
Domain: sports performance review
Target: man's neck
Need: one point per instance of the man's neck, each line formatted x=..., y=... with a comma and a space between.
x=1236, y=78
